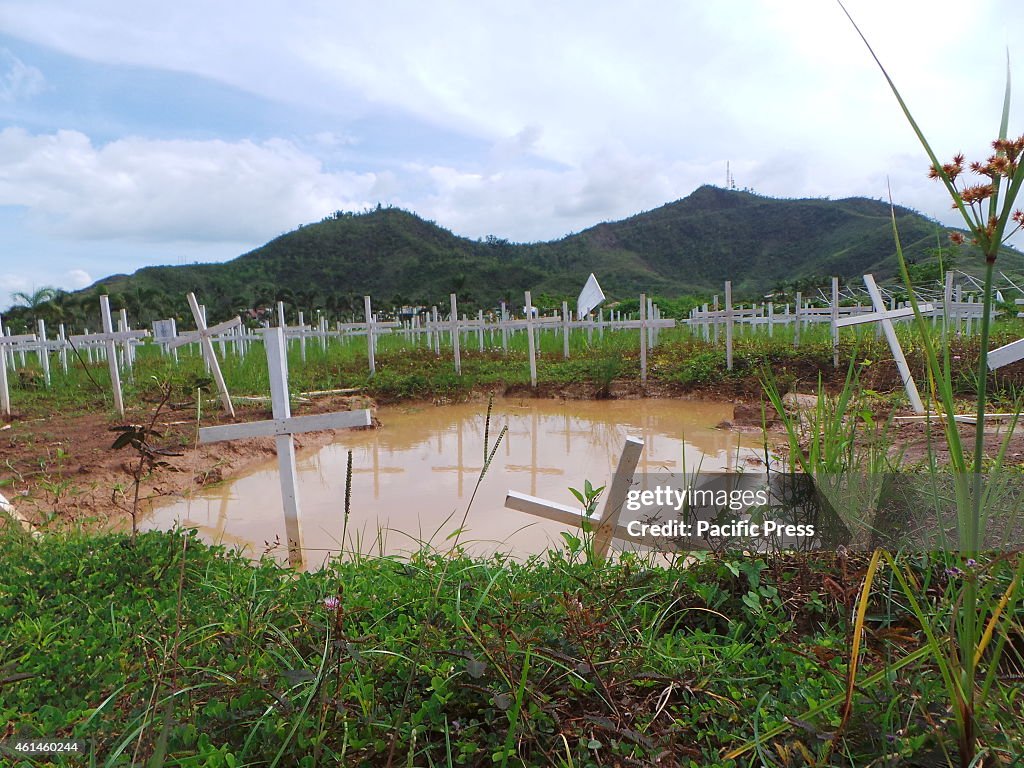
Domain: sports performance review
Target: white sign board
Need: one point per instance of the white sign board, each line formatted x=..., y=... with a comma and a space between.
x=164, y=330
x=590, y=297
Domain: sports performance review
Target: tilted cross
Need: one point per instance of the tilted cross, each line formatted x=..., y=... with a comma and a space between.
x=203, y=335
x=606, y=526
x=885, y=317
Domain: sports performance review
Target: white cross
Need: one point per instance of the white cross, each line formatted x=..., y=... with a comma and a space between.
x=885, y=317
x=128, y=352
x=282, y=426
x=9, y=341
x=203, y=335
x=645, y=324
x=44, y=346
x=371, y=328
x=109, y=338
x=455, y=332
x=606, y=526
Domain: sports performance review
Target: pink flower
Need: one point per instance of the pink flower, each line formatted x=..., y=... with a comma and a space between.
x=331, y=603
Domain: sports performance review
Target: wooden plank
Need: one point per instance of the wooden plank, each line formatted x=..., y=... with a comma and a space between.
x=616, y=495
x=454, y=320
x=1006, y=355
x=728, y=324
x=370, y=339
x=888, y=314
x=834, y=313
x=317, y=422
x=643, y=339
x=565, y=330
x=531, y=344
x=559, y=513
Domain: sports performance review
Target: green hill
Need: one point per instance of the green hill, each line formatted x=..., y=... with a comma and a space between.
x=687, y=247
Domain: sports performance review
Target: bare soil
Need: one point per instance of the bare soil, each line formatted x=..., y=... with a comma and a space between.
x=62, y=469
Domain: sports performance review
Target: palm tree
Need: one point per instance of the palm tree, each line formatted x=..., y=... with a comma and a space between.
x=33, y=303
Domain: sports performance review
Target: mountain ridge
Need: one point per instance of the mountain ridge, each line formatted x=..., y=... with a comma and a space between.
x=688, y=246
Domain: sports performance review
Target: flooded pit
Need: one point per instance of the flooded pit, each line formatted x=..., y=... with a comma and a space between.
x=414, y=477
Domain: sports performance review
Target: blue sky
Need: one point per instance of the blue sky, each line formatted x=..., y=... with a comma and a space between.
x=135, y=133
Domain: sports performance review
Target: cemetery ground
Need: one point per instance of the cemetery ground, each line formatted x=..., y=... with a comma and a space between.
x=160, y=649
x=58, y=464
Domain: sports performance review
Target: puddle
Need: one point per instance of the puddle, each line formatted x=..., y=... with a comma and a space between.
x=414, y=477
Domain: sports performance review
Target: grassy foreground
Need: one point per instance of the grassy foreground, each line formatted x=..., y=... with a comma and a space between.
x=171, y=652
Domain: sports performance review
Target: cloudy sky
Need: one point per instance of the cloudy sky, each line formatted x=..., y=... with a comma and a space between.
x=135, y=132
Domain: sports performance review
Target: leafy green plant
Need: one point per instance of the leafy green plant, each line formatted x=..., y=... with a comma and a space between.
x=139, y=438
x=988, y=210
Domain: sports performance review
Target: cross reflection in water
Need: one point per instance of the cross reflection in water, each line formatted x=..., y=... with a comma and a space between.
x=413, y=477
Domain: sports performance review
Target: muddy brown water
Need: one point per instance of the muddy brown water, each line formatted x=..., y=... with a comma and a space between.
x=414, y=477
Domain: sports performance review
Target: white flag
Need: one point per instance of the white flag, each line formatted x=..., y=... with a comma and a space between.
x=590, y=297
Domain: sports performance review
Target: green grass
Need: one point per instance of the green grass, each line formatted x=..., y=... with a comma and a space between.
x=171, y=647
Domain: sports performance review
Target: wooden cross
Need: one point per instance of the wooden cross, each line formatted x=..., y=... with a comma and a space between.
x=884, y=317
x=5, y=342
x=44, y=346
x=606, y=526
x=127, y=350
x=371, y=328
x=110, y=338
x=645, y=324
x=282, y=427
x=203, y=335
x=531, y=343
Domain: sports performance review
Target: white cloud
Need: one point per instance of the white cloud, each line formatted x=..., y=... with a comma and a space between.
x=18, y=80
x=78, y=278
x=539, y=204
x=170, y=190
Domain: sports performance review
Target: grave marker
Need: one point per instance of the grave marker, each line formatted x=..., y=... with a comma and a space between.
x=282, y=427
x=884, y=318
x=371, y=328
x=110, y=338
x=606, y=526
x=203, y=335
x=7, y=342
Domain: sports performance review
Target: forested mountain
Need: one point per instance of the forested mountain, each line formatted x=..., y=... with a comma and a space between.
x=685, y=248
